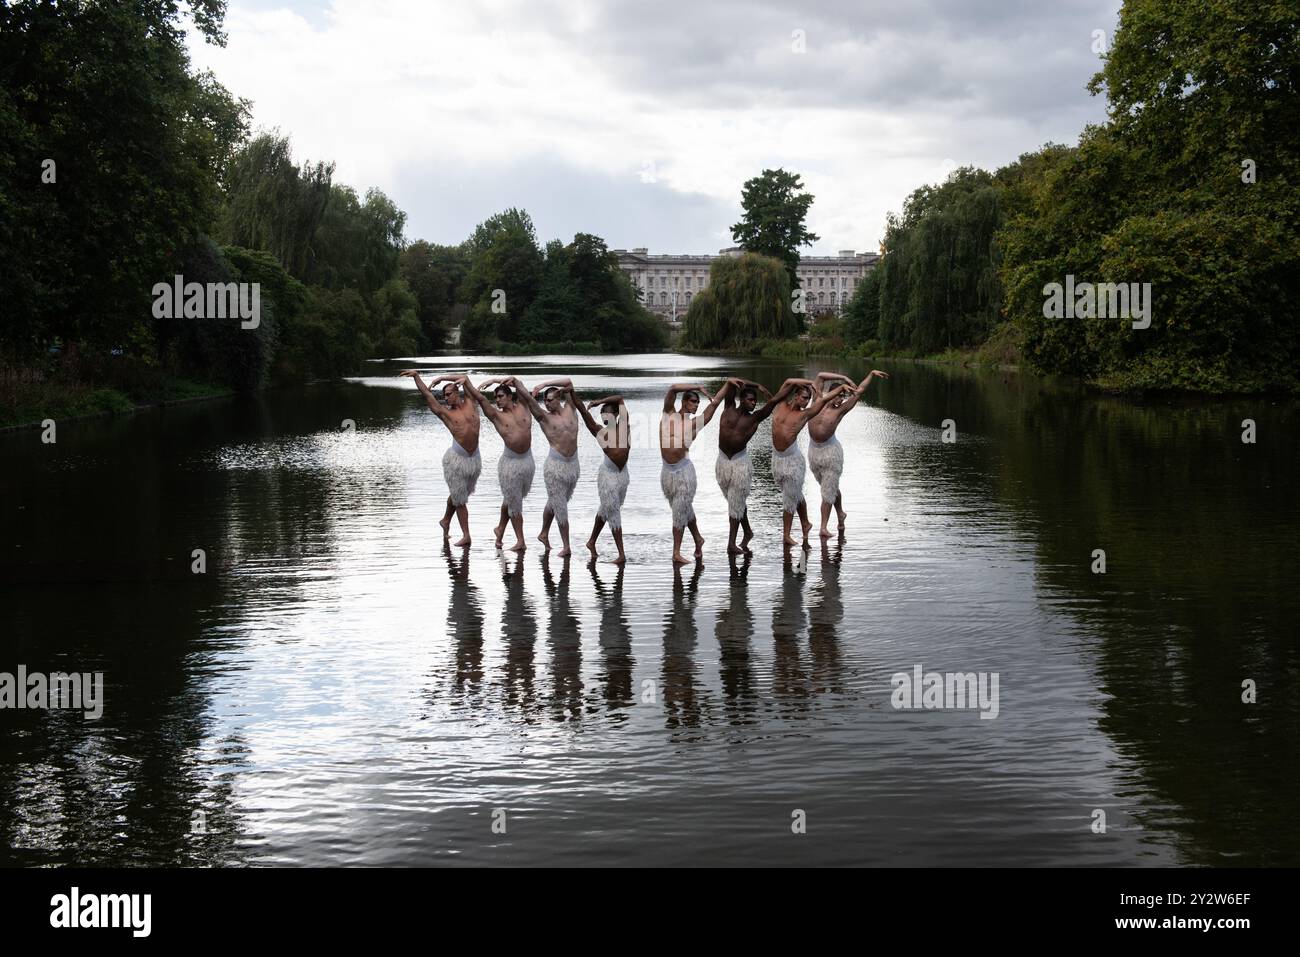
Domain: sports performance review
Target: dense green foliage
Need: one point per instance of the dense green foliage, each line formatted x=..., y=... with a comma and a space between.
x=1193, y=186
x=773, y=224
x=747, y=298
x=572, y=293
x=122, y=168
x=1159, y=195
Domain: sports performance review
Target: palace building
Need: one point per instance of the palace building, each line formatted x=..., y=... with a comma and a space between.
x=669, y=282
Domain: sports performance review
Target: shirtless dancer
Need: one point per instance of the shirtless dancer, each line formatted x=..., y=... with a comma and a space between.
x=560, y=426
x=788, y=466
x=461, y=463
x=677, y=430
x=611, y=480
x=734, y=471
x=515, y=467
x=825, y=454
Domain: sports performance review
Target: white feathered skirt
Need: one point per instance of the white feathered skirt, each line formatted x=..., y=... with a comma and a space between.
x=515, y=473
x=789, y=469
x=678, y=484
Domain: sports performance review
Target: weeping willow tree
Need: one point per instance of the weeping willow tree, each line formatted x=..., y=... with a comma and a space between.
x=748, y=297
x=938, y=281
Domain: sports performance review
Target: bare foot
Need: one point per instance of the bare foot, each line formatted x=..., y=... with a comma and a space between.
x=745, y=540
x=500, y=531
x=788, y=541
x=734, y=549
x=617, y=561
x=699, y=548
x=545, y=540
x=825, y=532
x=463, y=543
x=591, y=547
x=446, y=527
x=843, y=516
x=806, y=546
x=518, y=546
x=564, y=552
x=807, y=527
x=678, y=559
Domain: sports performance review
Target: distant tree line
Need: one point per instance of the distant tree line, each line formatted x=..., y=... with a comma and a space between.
x=121, y=167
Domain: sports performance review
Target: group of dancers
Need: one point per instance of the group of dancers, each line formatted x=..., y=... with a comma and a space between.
x=820, y=404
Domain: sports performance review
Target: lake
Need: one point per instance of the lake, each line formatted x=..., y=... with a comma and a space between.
x=341, y=688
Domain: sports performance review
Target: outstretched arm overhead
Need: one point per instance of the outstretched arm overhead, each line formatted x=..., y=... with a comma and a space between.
x=490, y=410
x=867, y=381
x=820, y=403
x=527, y=398
x=705, y=417
x=844, y=407
x=676, y=389
x=584, y=410
x=564, y=384
x=824, y=377
x=434, y=405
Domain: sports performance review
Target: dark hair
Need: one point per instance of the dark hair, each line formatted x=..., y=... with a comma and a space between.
x=549, y=391
x=691, y=395
x=749, y=392
x=502, y=387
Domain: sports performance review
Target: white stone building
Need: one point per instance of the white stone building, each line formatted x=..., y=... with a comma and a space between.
x=670, y=282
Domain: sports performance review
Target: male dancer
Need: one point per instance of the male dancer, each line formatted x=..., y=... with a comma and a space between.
x=612, y=479
x=677, y=430
x=515, y=468
x=734, y=471
x=560, y=426
x=825, y=454
x=788, y=466
x=461, y=463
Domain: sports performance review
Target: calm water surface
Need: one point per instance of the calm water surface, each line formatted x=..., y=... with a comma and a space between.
x=339, y=688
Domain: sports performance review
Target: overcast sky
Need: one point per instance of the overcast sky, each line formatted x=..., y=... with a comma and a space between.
x=640, y=121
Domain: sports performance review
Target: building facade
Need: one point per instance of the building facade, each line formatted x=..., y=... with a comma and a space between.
x=668, y=283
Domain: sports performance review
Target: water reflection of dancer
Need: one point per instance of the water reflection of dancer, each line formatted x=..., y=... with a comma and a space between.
x=461, y=464
x=519, y=631
x=554, y=413
x=824, y=619
x=677, y=430
x=615, y=642
x=465, y=615
x=825, y=454
x=680, y=636
x=566, y=645
x=789, y=622
x=735, y=628
x=612, y=478
x=788, y=465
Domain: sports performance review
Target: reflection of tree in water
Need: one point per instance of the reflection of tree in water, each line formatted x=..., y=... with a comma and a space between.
x=1202, y=541
x=790, y=688
x=824, y=618
x=735, y=630
x=681, y=690
x=519, y=629
x=615, y=645
x=566, y=645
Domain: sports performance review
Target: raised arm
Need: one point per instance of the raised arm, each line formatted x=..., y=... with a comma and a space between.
x=867, y=381
x=490, y=410
x=819, y=403
x=434, y=405
x=824, y=377
x=705, y=417
x=584, y=410
x=677, y=389
x=564, y=385
x=526, y=397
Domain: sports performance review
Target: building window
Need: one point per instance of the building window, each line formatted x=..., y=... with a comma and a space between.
x=663, y=299
x=688, y=299
x=832, y=299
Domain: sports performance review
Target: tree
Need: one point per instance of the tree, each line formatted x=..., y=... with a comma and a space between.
x=748, y=297
x=504, y=276
x=773, y=223
x=138, y=142
x=434, y=274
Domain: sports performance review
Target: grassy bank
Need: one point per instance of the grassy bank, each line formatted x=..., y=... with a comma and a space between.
x=28, y=396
